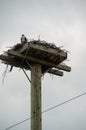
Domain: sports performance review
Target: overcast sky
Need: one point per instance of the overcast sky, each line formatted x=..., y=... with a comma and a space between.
x=62, y=22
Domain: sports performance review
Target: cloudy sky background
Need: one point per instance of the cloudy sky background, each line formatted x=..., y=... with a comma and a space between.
x=62, y=22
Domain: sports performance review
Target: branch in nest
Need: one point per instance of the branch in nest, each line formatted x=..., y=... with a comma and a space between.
x=4, y=74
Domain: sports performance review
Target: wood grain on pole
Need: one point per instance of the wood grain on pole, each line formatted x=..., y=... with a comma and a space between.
x=36, y=123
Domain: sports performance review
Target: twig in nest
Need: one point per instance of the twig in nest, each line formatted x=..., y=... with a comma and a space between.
x=4, y=74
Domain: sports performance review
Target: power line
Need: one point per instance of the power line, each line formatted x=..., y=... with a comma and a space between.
x=17, y=124
x=49, y=109
x=58, y=105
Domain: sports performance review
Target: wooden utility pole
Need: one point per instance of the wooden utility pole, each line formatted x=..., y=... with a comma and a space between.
x=39, y=57
x=36, y=123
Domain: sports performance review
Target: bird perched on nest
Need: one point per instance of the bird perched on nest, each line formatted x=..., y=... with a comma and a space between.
x=23, y=39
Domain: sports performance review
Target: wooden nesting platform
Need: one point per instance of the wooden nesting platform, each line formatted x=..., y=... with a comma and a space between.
x=49, y=56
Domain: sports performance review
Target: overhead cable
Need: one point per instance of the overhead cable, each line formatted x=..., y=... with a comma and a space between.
x=49, y=109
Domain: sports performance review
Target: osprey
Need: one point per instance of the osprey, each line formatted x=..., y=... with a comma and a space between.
x=23, y=39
